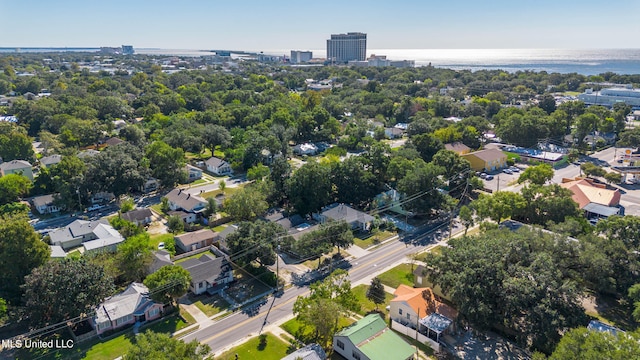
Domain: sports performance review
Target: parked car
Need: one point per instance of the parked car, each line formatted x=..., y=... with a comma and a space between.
x=95, y=207
x=161, y=246
x=483, y=175
x=507, y=171
x=514, y=169
x=489, y=177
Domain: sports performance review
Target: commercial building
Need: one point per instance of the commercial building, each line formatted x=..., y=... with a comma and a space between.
x=298, y=56
x=608, y=97
x=342, y=48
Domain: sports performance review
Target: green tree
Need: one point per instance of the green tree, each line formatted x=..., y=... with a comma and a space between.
x=467, y=217
x=175, y=224
x=134, y=256
x=118, y=169
x=257, y=173
x=168, y=283
x=338, y=234
x=255, y=241
x=634, y=296
x=524, y=281
x=21, y=250
x=592, y=170
x=212, y=207
x=499, y=206
x=538, y=174
x=127, y=205
x=309, y=188
x=64, y=289
x=421, y=184
x=151, y=345
x=547, y=203
x=3, y=311
x=216, y=135
x=581, y=343
x=14, y=143
x=427, y=145
x=13, y=187
x=166, y=163
x=376, y=292
x=247, y=204
x=613, y=177
x=353, y=181
x=327, y=302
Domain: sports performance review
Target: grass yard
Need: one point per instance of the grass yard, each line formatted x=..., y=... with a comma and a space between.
x=367, y=305
x=219, y=228
x=401, y=274
x=187, y=317
x=426, y=349
x=199, y=181
x=227, y=191
x=267, y=347
x=304, y=333
x=156, y=239
x=373, y=240
x=157, y=208
x=212, y=305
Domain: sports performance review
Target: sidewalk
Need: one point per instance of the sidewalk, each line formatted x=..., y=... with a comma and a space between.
x=200, y=317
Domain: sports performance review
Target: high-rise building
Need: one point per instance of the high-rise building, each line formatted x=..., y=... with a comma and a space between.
x=300, y=56
x=342, y=48
x=127, y=50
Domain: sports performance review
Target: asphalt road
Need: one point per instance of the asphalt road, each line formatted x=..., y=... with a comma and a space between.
x=250, y=321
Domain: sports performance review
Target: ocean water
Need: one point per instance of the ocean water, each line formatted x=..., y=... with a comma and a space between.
x=586, y=62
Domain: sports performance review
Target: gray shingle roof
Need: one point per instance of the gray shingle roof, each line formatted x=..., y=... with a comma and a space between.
x=15, y=165
x=186, y=201
x=190, y=238
x=215, y=162
x=50, y=160
x=42, y=200
x=137, y=214
x=346, y=213
x=123, y=304
x=206, y=268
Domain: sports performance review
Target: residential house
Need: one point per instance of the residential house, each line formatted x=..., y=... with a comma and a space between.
x=596, y=199
x=221, y=242
x=44, y=204
x=113, y=142
x=341, y=212
x=187, y=218
x=102, y=197
x=19, y=167
x=458, y=148
x=49, y=161
x=410, y=308
x=305, y=149
x=92, y=235
x=159, y=259
x=218, y=166
x=371, y=339
x=418, y=276
x=195, y=240
x=87, y=153
x=138, y=216
x=131, y=306
x=393, y=132
x=193, y=173
x=208, y=273
x=57, y=252
x=184, y=201
x=391, y=200
x=150, y=185
x=486, y=160
x=309, y=352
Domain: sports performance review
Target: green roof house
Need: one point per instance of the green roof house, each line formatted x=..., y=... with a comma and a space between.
x=370, y=339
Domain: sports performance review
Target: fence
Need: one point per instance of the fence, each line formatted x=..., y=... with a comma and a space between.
x=414, y=335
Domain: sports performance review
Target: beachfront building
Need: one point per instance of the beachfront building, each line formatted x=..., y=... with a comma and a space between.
x=342, y=48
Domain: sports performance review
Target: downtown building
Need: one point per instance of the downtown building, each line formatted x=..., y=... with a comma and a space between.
x=298, y=56
x=342, y=48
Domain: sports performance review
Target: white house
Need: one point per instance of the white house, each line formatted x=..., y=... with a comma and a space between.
x=218, y=166
x=208, y=272
x=131, y=306
x=44, y=204
x=371, y=339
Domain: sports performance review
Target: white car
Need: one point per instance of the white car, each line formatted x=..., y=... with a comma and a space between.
x=161, y=246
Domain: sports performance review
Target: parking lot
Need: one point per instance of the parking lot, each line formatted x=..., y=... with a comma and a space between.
x=500, y=180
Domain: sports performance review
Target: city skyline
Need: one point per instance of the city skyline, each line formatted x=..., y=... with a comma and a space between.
x=255, y=25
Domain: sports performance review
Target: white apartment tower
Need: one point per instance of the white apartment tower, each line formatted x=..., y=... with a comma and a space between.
x=298, y=57
x=342, y=48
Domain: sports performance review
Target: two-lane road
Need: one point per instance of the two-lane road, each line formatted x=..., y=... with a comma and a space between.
x=229, y=330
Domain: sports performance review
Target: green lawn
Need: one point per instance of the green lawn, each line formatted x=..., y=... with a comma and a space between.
x=212, y=305
x=373, y=240
x=219, y=228
x=424, y=348
x=305, y=333
x=367, y=305
x=156, y=239
x=107, y=349
x=187, y=317
x=272, y=348
x=195, y=256
x=400, y=274
x=157, y=208
x=199, y=181
x=227, y=191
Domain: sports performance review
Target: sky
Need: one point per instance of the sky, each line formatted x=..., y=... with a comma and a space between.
x=274, y=24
